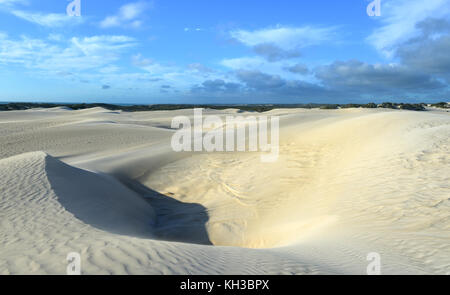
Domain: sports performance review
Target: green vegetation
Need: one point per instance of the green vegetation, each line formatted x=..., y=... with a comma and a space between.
x=442, y=105
x=388, y=105
x=260, y=108
x=330, y=107
x=412, y=107
x=132, y=108
x=370, y=106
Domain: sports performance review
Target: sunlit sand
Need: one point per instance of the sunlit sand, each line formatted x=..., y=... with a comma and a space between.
x=109, y=186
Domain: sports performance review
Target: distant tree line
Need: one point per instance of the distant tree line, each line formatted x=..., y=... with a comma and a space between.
x=260, y=108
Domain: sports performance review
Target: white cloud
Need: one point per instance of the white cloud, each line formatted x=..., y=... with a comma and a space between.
x=183, y=77
x=399, y=19
x=49, y=19
x=198, y=67
x=12, y=2
x=110, y=21
x=258, y=63
x=20, y=51
x=139, y=61
x=153, y=67
x=158, y=69
x=93, y=58
x=132, y=10
x=55, y=37
x=75, y=54
x=109, y=69
x=136, y=24
x=287, y=38
x=127, y=16
x=243, y=63
x=102, y=44
x=193, y=29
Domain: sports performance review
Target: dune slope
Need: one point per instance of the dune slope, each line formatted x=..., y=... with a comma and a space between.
x=347, y=183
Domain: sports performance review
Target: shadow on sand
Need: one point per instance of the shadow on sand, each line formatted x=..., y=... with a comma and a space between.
x=175, y=221
x=105, y=202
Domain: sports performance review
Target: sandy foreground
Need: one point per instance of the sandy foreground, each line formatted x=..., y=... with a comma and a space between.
x=109, y=186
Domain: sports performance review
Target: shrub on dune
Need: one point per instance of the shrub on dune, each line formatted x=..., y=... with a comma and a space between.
x=329, y=107
x=442, y=105
x=412, y=107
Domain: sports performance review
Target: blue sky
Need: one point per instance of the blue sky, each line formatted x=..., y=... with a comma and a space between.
x=211, y=51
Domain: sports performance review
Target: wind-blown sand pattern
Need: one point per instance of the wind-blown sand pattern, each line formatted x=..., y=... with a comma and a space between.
x=108, y=185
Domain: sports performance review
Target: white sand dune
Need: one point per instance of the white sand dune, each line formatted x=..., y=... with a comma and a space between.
x=108, y=185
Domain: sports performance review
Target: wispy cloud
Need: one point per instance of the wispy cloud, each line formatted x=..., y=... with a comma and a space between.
x=243, y=62
x=129, y=15
x=48, y=19
x=283, y=43
x=286, y=38
x=200, y=68
x=193, y=29
x=140, y=61
x=102, y=44
x=12, y=2
x=75, y=54
x=153, y=67
x=399, y=19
